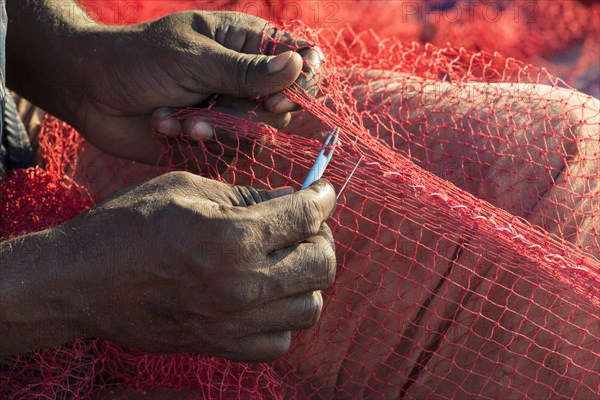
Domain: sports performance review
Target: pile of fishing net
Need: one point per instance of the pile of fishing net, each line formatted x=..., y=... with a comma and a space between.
x=467, y=241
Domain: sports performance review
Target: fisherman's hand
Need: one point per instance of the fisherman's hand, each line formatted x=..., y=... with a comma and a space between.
x=201, y=266
x=143, y=72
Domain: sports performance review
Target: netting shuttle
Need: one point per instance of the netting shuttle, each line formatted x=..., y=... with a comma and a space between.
x=323, y=159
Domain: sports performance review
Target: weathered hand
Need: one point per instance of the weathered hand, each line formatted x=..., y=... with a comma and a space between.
x=137, y=75
x=201, y=266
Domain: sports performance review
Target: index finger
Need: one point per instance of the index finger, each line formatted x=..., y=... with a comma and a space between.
x=252, y=35
x=313, y=69
x=279, y=41
x=289, y=220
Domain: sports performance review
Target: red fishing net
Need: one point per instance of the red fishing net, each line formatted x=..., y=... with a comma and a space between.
x=467, y=241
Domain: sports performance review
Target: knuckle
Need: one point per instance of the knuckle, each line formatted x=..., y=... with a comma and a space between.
x=309, y=218
x=247, y=239
x=331, y=270
x=178, y=178
x=235, y=296
x=238, y=350
x=245, y=74
x=326, y=264
x=312, y=309
x=328, y=234
x=243, y=294
x=280, y=346
x=331, y=262
x=263, y=348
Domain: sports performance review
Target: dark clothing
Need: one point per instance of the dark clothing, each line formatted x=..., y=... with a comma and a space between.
x=3, y=150
x=15, y=150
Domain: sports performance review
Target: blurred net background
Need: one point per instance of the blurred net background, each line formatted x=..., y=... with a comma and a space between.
x=468, y=241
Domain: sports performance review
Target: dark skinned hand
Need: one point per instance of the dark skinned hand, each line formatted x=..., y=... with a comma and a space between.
x=146, y=71
x=205, y=267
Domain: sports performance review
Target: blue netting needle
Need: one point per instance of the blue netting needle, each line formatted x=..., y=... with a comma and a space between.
x=323, y=159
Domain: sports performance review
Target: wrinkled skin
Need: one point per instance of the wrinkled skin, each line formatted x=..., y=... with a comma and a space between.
x=375, y=331
x=231, y=280
x=183, y=60
x=180, y=264
x=260, y=275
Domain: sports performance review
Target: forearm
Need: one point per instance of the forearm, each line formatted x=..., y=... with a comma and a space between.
x=42, y=299
x=44, y=57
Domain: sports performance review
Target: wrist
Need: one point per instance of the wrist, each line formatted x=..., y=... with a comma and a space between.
x=90, y=274
x=106, y=253
x=40, y=305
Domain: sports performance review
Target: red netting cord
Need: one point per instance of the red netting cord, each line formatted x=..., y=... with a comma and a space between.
x=467, y=241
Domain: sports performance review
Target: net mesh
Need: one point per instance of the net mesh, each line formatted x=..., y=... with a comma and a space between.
x=467, y=241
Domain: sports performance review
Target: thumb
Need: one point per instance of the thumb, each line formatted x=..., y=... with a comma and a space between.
x=267, y=195
x=280, y=192
x=252, y=75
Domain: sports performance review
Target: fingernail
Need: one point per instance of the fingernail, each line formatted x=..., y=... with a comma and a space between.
x=169, y=127
x=284, y=105
x=325, y=189
x=279, y=62
x=202, y=131
x=321, y=185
